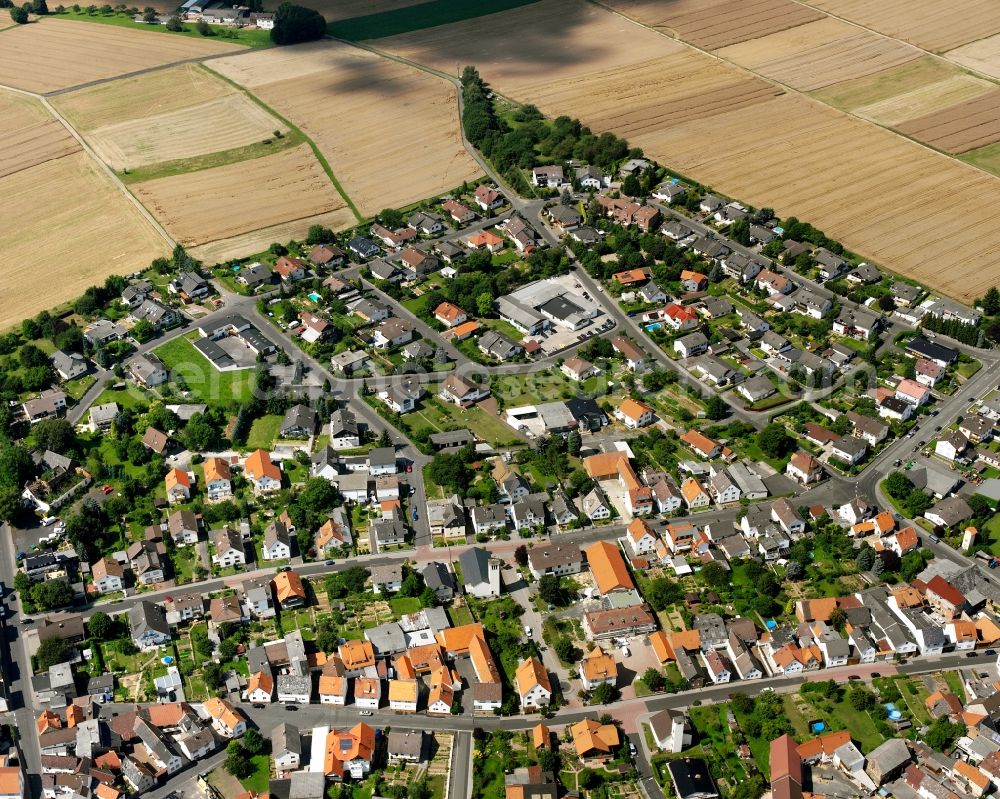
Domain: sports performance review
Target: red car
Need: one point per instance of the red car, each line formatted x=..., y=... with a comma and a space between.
x=409, y=468
x=106, y=489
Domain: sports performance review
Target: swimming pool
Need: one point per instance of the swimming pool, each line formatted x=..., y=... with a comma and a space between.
x=653, y=326
x=817, y=726
x=891, y=712
x=314, y=296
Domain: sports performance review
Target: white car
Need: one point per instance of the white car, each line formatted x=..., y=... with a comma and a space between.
x=527, y=631
x=48, y=520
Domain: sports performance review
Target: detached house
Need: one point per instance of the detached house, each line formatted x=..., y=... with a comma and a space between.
x=533, y=686
x=263, y=475
x=218, y=480
x=178, y=486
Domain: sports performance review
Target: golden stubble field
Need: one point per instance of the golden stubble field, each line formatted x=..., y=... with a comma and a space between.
x=225, y=123
x=880, y=194
x=711, y=24
x=390, y=132
x=236, y=199
x=819, y=54
x=930, y=24
x=54, y=54
x=66, y=224
x=63, y=218
x=30, y=134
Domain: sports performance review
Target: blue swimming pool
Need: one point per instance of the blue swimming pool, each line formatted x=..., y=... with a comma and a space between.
x=654, y=326
x=314, y=296
x=891, y=712
x=817, y=726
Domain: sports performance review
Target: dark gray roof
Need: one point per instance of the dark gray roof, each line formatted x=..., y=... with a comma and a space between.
x=475, y=565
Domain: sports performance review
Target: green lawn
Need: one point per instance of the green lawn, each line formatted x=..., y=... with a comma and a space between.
x=132, y=397
x=955, y=685
x=79, y=386
x=249, y=37
x=263, y=432
x=418, y=17
x=435, y=415
x=460, y=616
x=404, y=605
x=258, y=781
x=204, y=381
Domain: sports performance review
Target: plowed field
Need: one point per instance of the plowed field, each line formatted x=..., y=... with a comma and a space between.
x=959, y=128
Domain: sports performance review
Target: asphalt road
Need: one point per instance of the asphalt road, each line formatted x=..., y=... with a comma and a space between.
x=460, y=779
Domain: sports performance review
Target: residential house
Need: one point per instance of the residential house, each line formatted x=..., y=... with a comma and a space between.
x=148, y=625
x=532, y=683
x=218, y=480
x=228, y=544
x=804, y=468
x=263, y=474
x=183, y=527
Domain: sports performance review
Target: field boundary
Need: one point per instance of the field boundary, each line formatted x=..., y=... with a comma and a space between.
x=293, y=127
x=161, y=231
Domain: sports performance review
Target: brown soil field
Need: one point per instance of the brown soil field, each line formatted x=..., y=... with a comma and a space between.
x=140, y=96
x=930, y=24
x=78, y=243
x=982, y=56
x=819, y=54
x=226, y=123
x=961, y=127
x=390, y=132
x=30, y=135
x=719, y=24
x=55, y=54
x=259, y=240
x=214, y=204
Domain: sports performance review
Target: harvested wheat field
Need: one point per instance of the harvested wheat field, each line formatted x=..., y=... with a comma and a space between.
x=227, y=123
x=54, y=54
x=925, y=100
x=140, y=96
x=66, y=218
x=259, y=240
x=30, y=135
x=934, y=25
x=819, y=54
x=874, y=191
x=711, y=24
x=959, y=128
x=662, y=92
x=214, y=204
x=982, y=56
x=374, y=120
x=714, y=25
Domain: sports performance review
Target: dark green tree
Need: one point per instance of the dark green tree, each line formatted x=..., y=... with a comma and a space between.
x=293, y=24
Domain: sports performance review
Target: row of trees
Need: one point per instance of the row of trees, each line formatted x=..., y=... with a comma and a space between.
x=518, y=146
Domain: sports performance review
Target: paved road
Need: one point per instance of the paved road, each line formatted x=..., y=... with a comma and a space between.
x=21, y=700
x=460, y=779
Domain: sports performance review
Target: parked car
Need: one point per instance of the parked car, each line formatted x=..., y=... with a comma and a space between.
x=328, y=562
